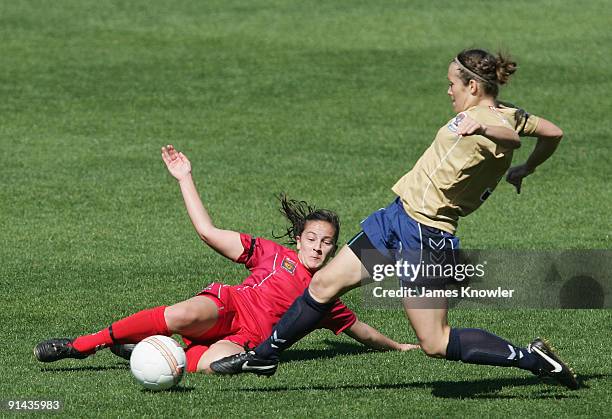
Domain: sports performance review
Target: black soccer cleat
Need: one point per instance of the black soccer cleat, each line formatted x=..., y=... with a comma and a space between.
x=123, y=350
x=553, y=366
x=55, y=349
x=244, y=362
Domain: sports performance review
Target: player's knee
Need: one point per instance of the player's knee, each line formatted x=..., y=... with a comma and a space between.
x=179, y=317
x=432, y=348
x=322, y=288
x=434, y=345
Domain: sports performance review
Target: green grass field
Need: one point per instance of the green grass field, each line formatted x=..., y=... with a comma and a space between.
x=328, y=101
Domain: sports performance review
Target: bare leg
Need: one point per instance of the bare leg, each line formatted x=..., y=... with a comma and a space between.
x=341, y=275
x=192, y=317
x=218, y=350
x=428, y=318
x=429, y=324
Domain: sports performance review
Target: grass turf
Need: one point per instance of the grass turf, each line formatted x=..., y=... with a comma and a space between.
x=328, y=101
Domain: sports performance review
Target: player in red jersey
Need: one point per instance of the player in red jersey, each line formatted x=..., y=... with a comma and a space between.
x=222, y=320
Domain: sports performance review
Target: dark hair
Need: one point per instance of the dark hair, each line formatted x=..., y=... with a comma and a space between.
x=299, y=213
x=494, y=70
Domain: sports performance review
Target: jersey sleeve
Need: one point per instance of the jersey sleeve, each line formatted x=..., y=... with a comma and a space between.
x=255, y=250
x=249, y=256
x=529, y=125
x=525, y=124
x=249, y=244
x=339, y=318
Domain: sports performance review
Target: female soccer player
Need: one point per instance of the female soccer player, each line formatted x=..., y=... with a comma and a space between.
x=461, y=168
x=222, y=320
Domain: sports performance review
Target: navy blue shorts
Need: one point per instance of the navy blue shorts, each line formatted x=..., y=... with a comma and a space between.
x=397, y=237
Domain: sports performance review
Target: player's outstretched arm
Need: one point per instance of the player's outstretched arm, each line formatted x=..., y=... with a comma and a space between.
x=367, y=335
x=226, y=242
x=549, y=135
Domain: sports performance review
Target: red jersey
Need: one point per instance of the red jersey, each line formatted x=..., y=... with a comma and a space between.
x=277, y=279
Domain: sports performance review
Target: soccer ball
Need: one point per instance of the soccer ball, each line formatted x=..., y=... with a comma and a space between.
x=158, y=362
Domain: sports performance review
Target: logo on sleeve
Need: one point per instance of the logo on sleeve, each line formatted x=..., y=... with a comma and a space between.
x=454, y=124
x=288, y=265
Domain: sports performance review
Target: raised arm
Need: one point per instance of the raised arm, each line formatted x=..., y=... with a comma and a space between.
x=226, y=242
x=549, y=135
x=367, y=335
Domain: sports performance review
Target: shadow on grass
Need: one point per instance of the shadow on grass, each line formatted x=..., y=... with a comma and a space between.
x=333, y=350
x=475, y=389
x=178, y=389
x=121, y=366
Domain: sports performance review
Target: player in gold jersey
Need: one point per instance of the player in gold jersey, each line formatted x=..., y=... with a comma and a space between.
x=455, y=175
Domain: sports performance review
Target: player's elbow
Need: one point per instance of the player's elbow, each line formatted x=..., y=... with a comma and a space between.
x=206, y=233
x=204, y=237
x=549, y=131
x=553, y=133
x=557, y=134
x=360, y=332
x=365, y=336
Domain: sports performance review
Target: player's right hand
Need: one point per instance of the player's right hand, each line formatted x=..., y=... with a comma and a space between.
x=177, y=163
x=469, y=126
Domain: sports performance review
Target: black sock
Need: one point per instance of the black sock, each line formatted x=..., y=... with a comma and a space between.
x=301, y=318
x=477, y=346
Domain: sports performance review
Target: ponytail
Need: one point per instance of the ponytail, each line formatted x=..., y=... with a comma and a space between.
x=504, y=68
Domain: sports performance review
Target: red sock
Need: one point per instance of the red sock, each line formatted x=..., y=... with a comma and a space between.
x=131, y=329
x=193, y=353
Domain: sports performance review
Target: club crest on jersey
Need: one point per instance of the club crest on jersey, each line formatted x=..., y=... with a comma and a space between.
x=288, y=265
x=454, y=124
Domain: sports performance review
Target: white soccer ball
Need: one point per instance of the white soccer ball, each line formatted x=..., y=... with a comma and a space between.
x=158, y=362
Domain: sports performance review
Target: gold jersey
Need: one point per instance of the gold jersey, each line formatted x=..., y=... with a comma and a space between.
x=456, y=174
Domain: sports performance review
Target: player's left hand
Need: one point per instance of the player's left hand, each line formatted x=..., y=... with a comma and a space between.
x=516, y=175
x=177, y=163
x=469, y=126
x=408, y=347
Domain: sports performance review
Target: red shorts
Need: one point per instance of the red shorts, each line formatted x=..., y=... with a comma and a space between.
x=228, y=327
